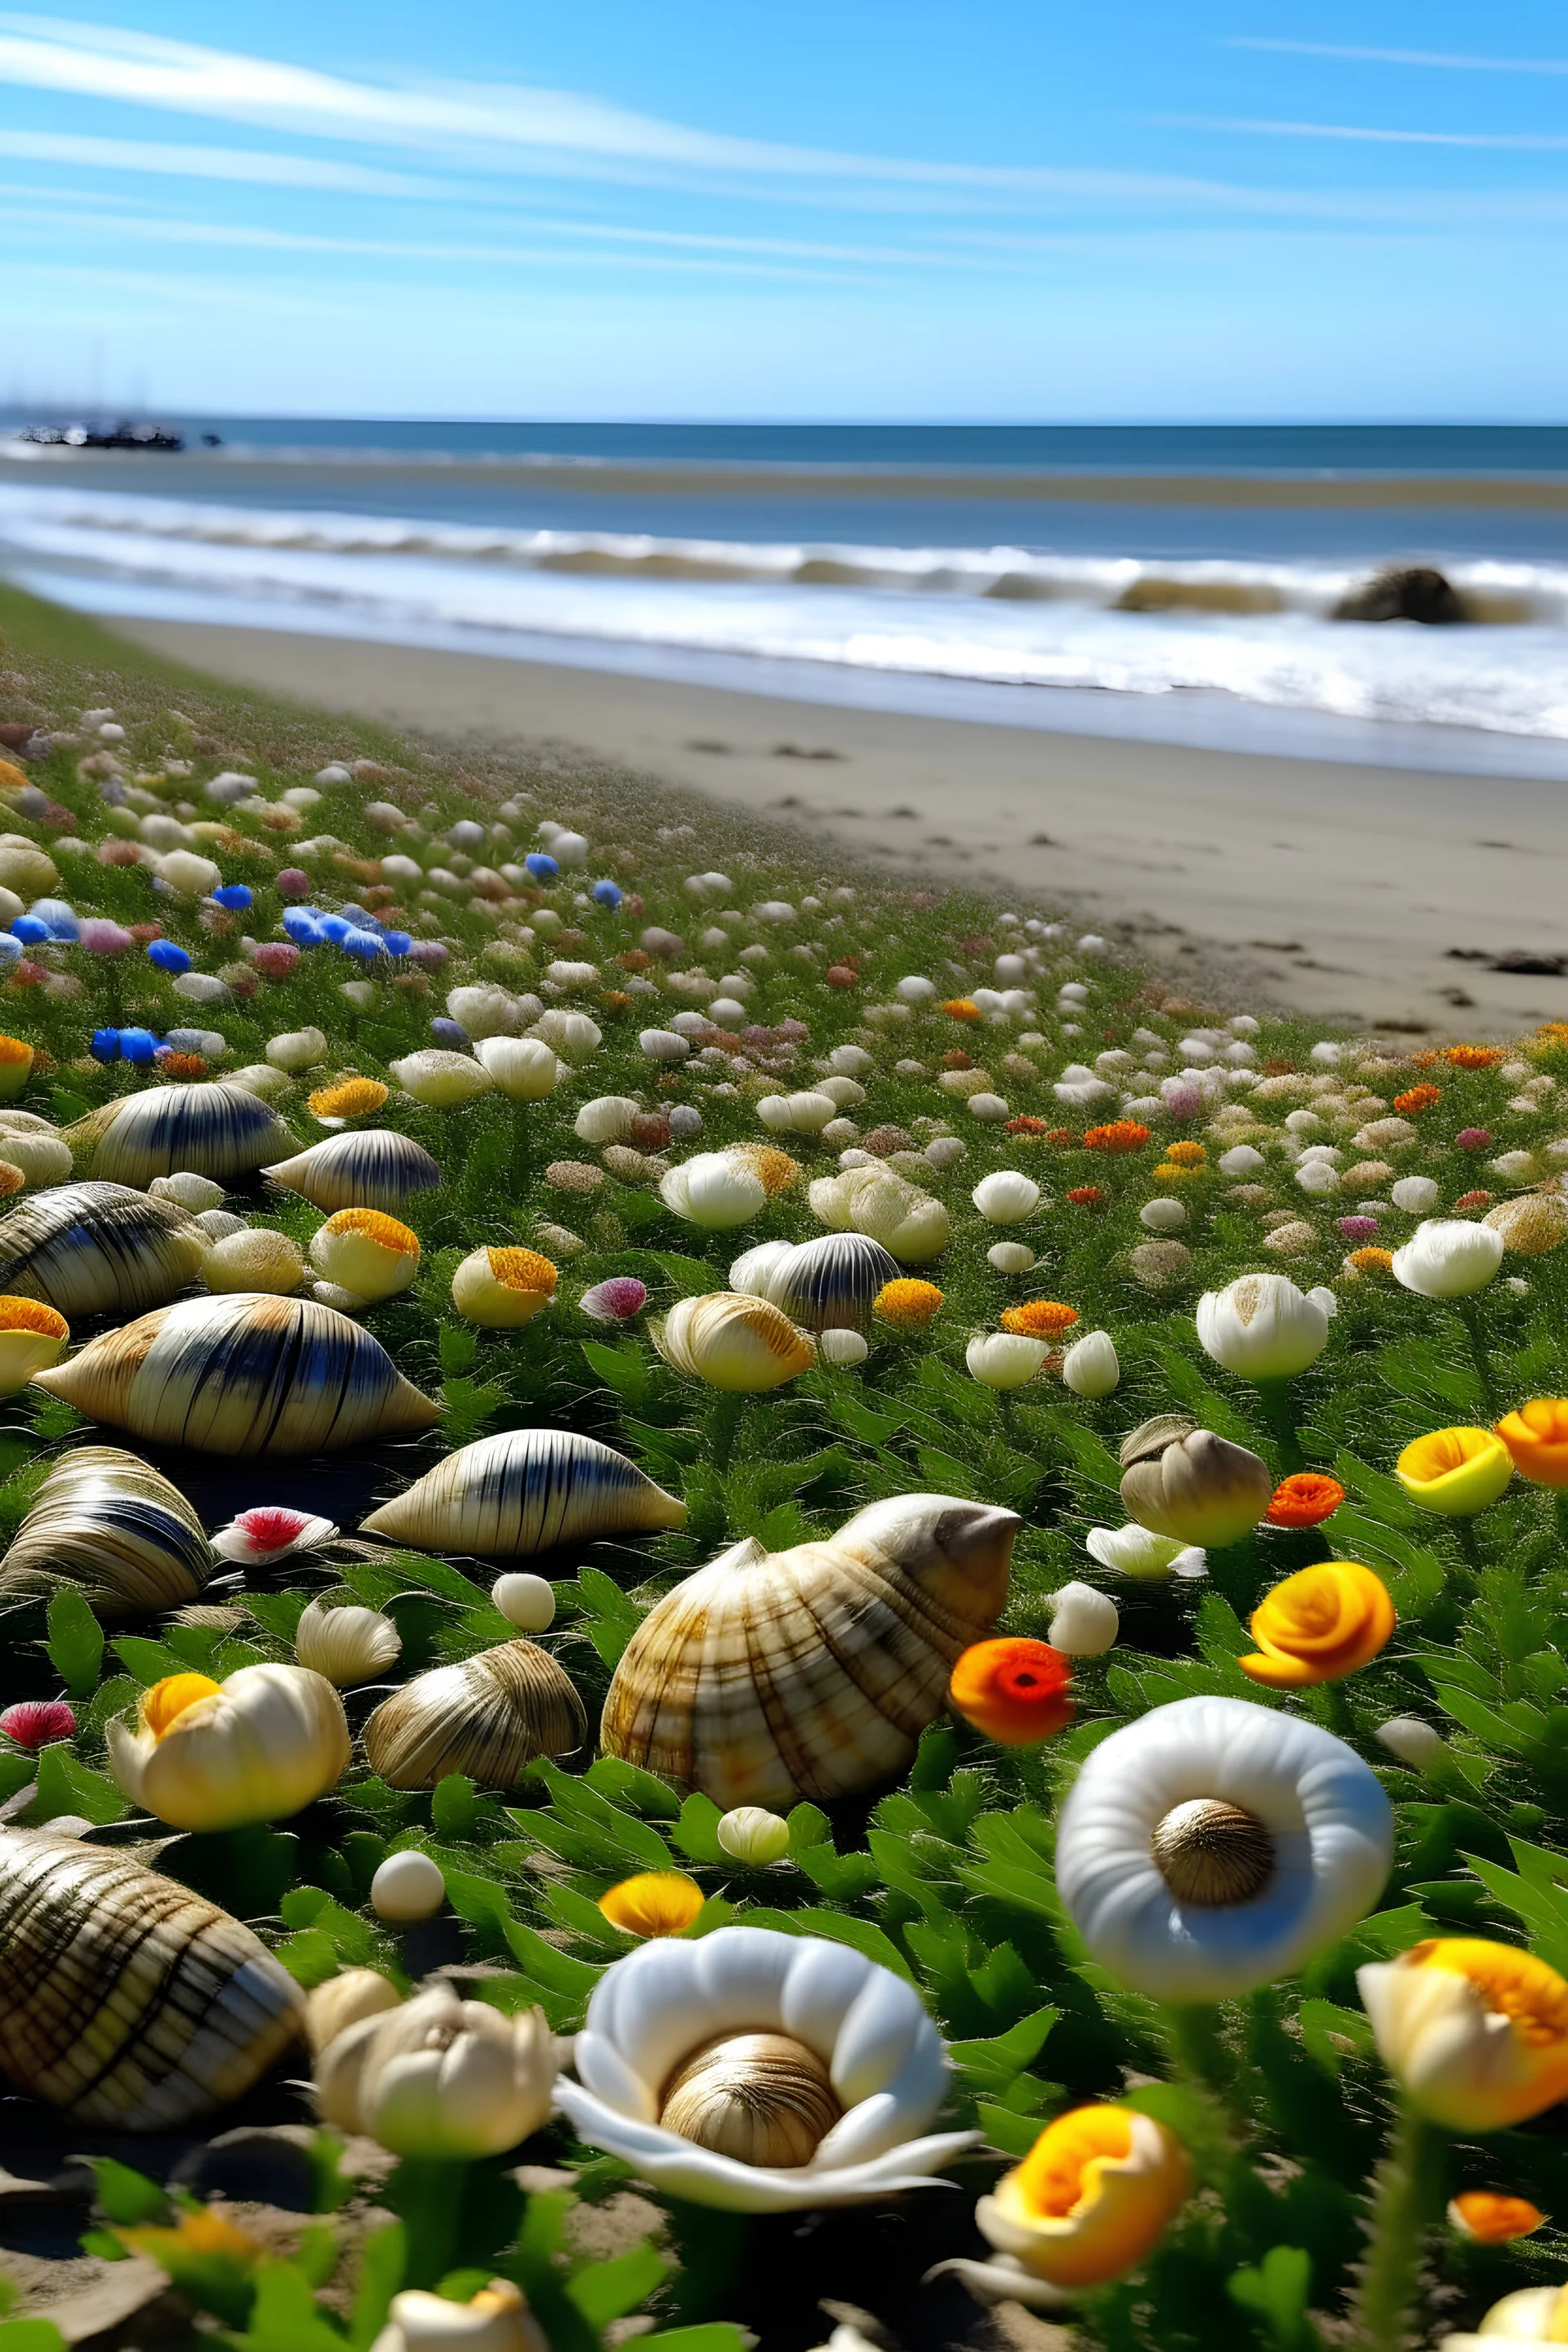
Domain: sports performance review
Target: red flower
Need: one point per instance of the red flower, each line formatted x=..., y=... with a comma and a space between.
x=1086, y=1196
x=1015, y=1691
x=34, y=1722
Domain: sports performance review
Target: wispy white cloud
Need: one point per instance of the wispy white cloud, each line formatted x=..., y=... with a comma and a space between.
x=1445, y=60
x=1522, y=141
x=171, y=159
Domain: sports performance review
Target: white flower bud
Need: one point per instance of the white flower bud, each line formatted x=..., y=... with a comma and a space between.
x=524, y=1601
x=1414, y=1195
x=1090, y=1368
x=347, y=1645
x=1420, y=1745
x=753, y=1835
x=1011, y=1257
x=1084, y=1621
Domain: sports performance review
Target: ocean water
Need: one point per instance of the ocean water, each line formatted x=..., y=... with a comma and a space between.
x=1172, y=581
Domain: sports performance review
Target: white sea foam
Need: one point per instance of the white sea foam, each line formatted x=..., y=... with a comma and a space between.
x=1000, y=614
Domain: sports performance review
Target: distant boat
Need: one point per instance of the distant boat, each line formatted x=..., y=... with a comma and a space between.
x=124, y=435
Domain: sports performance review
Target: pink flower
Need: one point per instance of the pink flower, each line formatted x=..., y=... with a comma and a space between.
x=34, y=1722
x=1184, y=1102
x=790, y=1031
x=293, y=883
x=276, y=958
x=430, y=953
x=102, y=936
x=271, y=1533
x=1358, y=1228
x=615, y=1301
x=1474, y=1138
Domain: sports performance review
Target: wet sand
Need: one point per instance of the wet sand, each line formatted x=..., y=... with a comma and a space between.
x=1338, y=890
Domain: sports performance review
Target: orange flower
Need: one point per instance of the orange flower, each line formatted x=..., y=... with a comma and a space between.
x=1472, y=1200
x=1493, y=2218
x=203, y=2233
x=614, y=1000
x=1319, y=1626
x=1536, y=1435
x=775, y=1170
x=955, y=1058
x=963, y=1008
x=1304, y=1500
x=11, y=1179
x=183, y=1065
x=653, y=1903
x=1186, y=1155
x=1087, y=1196
x=1025, y=1125
x=1554, y=1033
x=1015, y=1691
x=908, y=1305
x=1039, y=1319
x=1064, y=1138
x=1372, y=1261
x=1121, y=1135
x=1416, y=1099
x=348, y=1097
x=1474, y=1057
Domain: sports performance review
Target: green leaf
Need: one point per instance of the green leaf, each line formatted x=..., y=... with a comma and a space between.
x=125, y=2197
x=284, y=2316
x=689, y=1276
x=992, y=2065
x=623, y=1369
x=32, y=2336
x=608, y=2290
x=696, y=1830
x=148, y=1661
x=717, y=2337
x=860, y=1934
x=75, y=1641
x=1277, y=2290
x=382, y=2266
x=1014, y=2135
x=454, y=1806
x=1325, y=2027
x=309, y=1956
x=65, y=1785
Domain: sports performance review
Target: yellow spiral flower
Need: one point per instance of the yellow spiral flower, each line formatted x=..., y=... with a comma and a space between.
x=1457, y=1472
x=1319, y=1625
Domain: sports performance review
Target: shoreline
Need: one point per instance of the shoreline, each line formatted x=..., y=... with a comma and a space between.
x=1334, y=889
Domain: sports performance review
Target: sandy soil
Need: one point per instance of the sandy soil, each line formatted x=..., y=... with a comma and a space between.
x=1339, y=890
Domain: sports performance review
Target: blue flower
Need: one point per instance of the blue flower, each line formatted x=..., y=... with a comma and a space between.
x=233, y=895
x=366, y=945
x=543, y=868
x=333, y=927
x=397, y=943
x=138, y=1044
x=167, y=956
x=30, y=930
x=58, y=918
x=105, y=1045
x=451, y=1033
x=303, y=927
x=608, y=894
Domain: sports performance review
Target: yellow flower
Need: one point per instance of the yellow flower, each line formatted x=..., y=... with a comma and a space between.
x=1319, y=1625
x=1456, y=1471
x=1171, y=1172
x=1492, y=2219
x=654, y=1903
x=213, y=1755
x=206, y=2232
x=1092, y=2199
x=366, y=1252
x=348, y=1098
x=1186, y=1155
x=32, y=1337
x=1474, y=2032
x=775, y=1170
x=908, y=1305
x=503, y=1288
x=16, y=1066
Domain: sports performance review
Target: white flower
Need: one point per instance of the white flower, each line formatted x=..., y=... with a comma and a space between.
x=1163, y=1216
x=486, y=1011
x=1420, y=1745
x=1010, y=1257
x=713, y=1191
x=193, y=1193
x=347, y=1645
x=1318, y=1176
x=1263, y=1328
x=1211, y=1845
x=440, y=1079
x=525, y=1070
x=758, y=1272
x=215, y=1756
x=1241, y=1160
x=440, y=2077
x=915, y=989
x=1089, y=1367
x=867, y=2052
x=366, y=1251
x=573, y=1035
x=843, y=1349
x=1006, y=1197
x=1530, y=2315
x=753, y=1835
x=1413, y=1194
x=296, y=1049
x=914, y=1226
x=606, y=1120
x=667, y=1046
x=1447, y=1257
x=1085, y=1622
x=1138, y=1551
x=1003, y=1359
x=269, y=1533
x=804, y=1114
x=407, y=1886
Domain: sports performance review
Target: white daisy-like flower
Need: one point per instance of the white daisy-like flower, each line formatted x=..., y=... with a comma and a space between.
x=761, y=2073
x=1213, y=1845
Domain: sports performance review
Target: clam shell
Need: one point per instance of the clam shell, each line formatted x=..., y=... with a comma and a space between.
x=769, y=1676
x=99, y=1249
x=243, y=1372
x=831, y=1285
x=124, y=1999
x=209, y=1130
x=364, y=1167
x=488, y=1717
x=525, y=1491
x=108, y=1523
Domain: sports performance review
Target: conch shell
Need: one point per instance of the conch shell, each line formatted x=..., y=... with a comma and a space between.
x=769, y=1676
x=209, y=1130
x=488, y=1717
x=362, y=1167
x=124, y=1999
x=99, y=1249
x=524, y=1491
x=108, y=1523
x=243, y=1372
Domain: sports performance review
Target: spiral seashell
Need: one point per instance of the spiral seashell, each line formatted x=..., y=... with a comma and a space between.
x=364, y=1167
x=525, y=1491
x=243, y=1372
x=214, y=1130
x=99, y=1249
x=488, y=1717
x=732, y=1340
x=829, y=1285
x=124, y=1999
x=769, y=1676
x=108, y=1524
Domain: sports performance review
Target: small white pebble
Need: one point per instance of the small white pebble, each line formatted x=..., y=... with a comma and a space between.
x=406, y=1888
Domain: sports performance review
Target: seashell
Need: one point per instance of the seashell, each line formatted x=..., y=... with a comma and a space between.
x=124, y=1999
x=215, y=1130
x=99, y=1249
x=771, y=1676
x=732, y=1340
x=364, y=1168
x=524, y=1491
x=488, y=1717
x=830, y=1285
x=243, y=1372
x=106, y=1522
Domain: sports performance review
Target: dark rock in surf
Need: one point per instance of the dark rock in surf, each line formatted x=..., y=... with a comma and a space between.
x=1413, y=592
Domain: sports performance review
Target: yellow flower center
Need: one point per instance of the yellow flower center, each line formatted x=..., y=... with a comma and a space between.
x=1062, y=2169
x=167, y=1701
x=376, y=1226
x=522, y=1269
x=1514, y=1984
x=775, y=1170
x=1442, y=1450
x=907, y=1304
x=349, y=1098
x=15, y=1049
x=32, y=1315
x=654, y=1903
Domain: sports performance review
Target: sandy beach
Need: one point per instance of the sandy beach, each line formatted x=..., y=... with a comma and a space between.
x=1374, y=895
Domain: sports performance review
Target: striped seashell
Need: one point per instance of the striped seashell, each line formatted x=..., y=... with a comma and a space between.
x=830, y=1285
x=243, y=1372
x=525, y=1491
x=488, y=1717
x=214, y=1130
x=106, y=1522
x=364, y=1167
x=771, y=1676
x=124, y=1999
x=733, y=1342
x=99, y=1249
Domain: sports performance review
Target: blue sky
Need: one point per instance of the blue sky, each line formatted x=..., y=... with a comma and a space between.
x=1006, y=209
